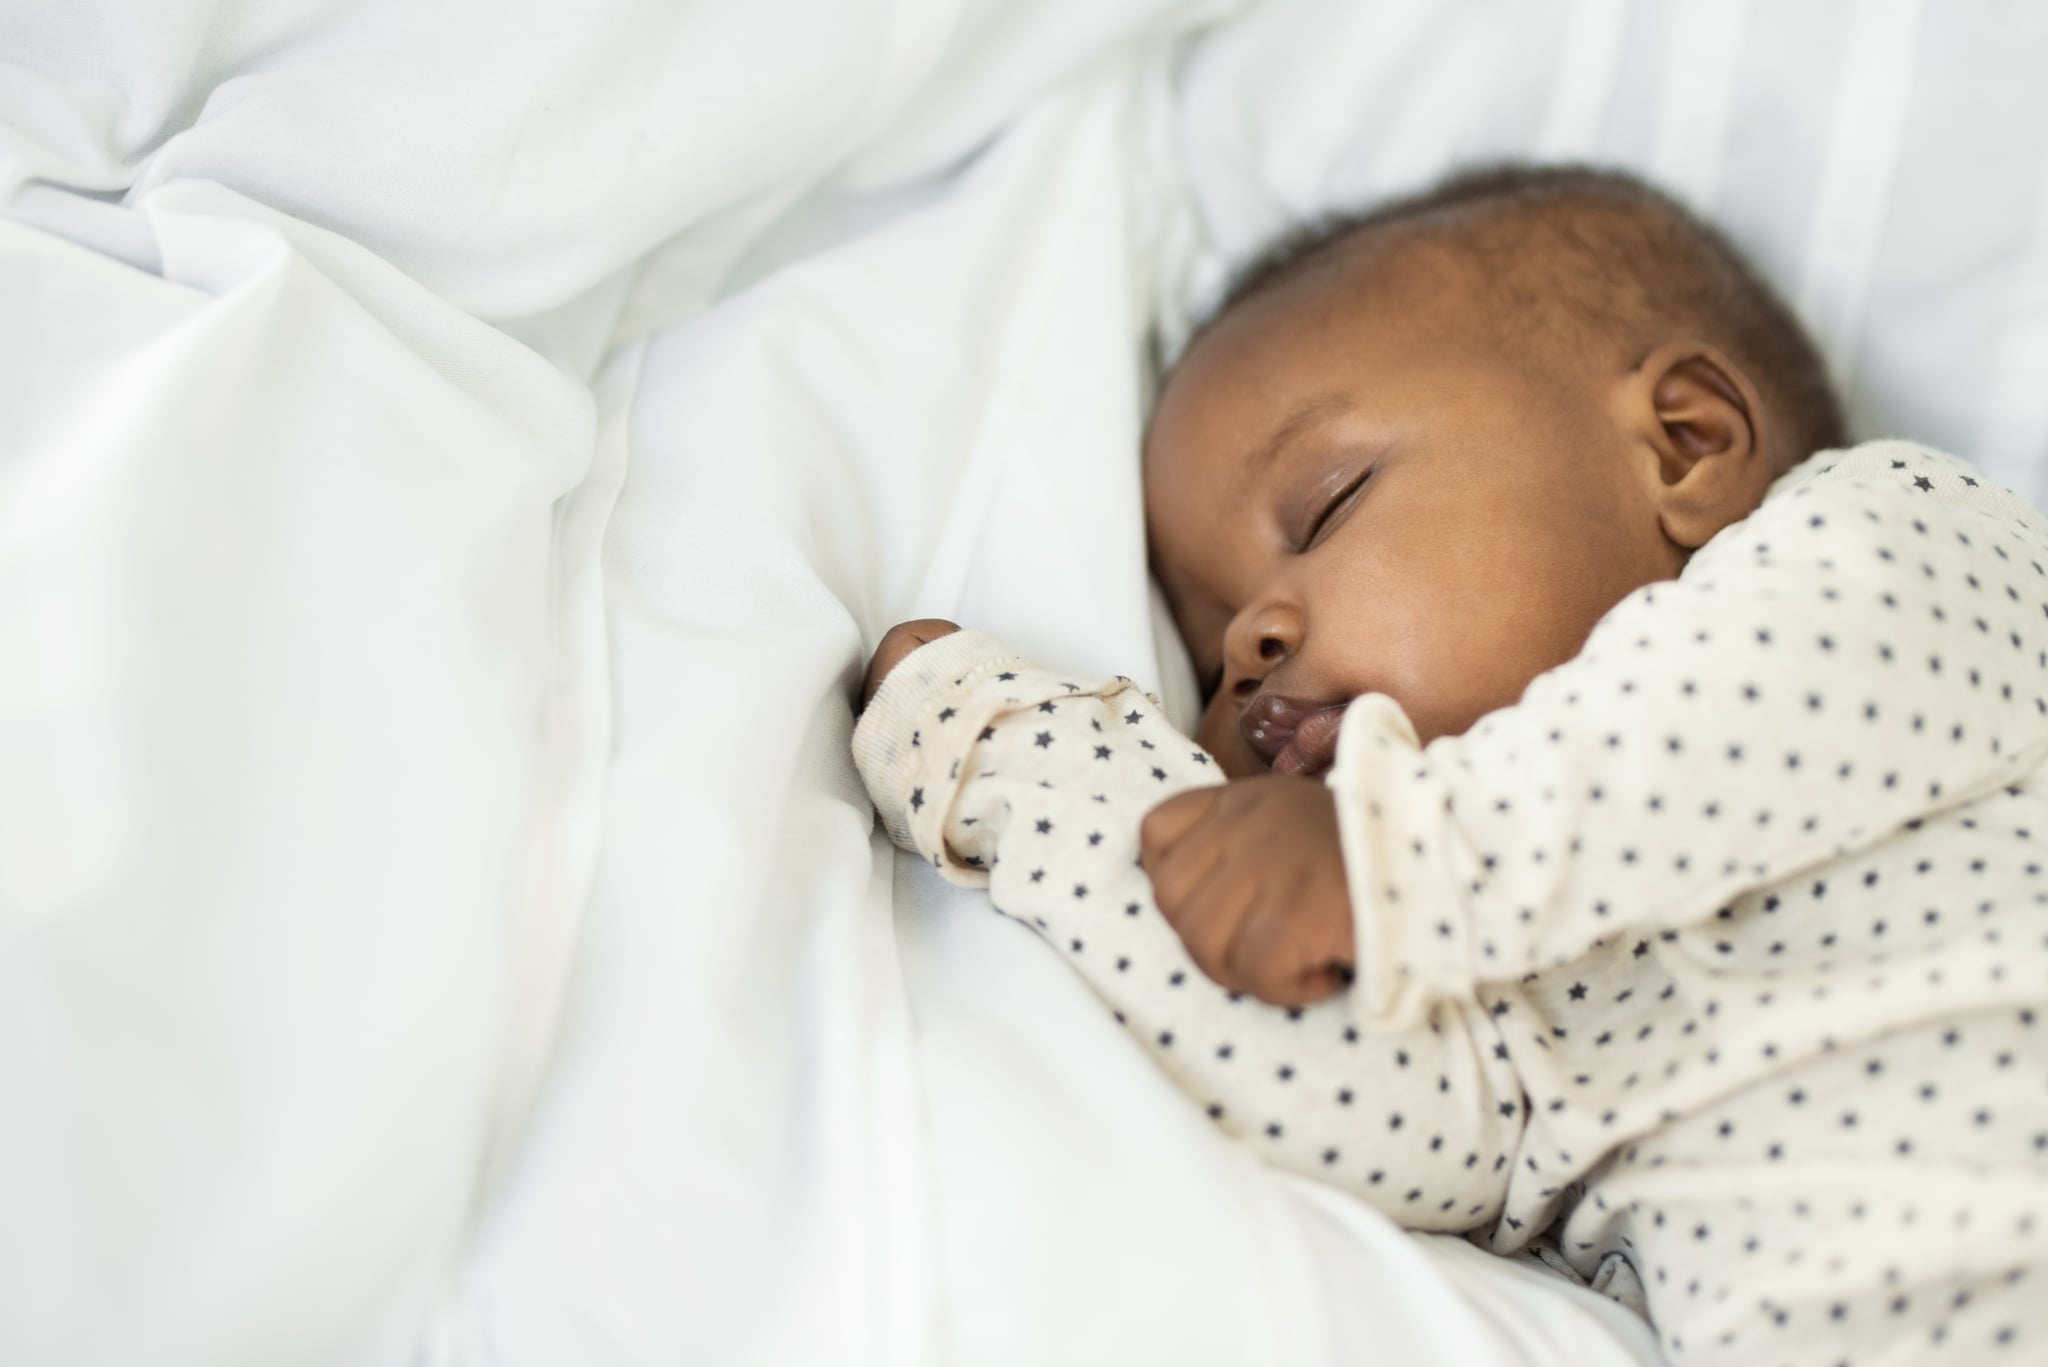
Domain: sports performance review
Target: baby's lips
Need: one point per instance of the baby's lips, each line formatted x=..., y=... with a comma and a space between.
x=1314, y=743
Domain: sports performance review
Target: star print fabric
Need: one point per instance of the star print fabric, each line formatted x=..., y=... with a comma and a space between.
x=1033, y=784
x=1724, y=951
x=1868, y=647
x=1755, y=887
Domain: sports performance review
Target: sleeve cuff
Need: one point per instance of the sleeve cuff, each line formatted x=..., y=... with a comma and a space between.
x=1411, y=930
x=889, y=737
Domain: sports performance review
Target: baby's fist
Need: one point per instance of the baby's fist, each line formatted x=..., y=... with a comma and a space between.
x=902, y=638
x=1251, y=876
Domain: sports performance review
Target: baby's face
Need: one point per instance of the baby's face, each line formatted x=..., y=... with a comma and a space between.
x=1351, y=493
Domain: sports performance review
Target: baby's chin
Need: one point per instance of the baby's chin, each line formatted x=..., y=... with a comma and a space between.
x=1235, y=758
x=1236, y=763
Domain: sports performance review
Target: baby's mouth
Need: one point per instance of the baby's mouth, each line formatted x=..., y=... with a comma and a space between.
x=1292, y=736
x=1314, y=745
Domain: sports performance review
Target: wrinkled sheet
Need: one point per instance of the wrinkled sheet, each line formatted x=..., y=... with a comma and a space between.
x=307, y=718
x=918, y=1140
x=301, y=733
x=457, y=457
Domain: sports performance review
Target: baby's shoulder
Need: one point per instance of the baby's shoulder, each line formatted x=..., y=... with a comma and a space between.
x=1886, y=502
x=1904, y=474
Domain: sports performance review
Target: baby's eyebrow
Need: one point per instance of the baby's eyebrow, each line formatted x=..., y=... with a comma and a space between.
x=1309, y=415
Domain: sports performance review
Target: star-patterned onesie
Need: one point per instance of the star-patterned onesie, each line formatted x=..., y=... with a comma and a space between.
x=1723, y=952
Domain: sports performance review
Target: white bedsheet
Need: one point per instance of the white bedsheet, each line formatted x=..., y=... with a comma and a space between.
x=455, y=459
x=301, y=733
x=958, y=1158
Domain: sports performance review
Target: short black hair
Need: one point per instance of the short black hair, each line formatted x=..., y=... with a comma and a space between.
x=1624, y=254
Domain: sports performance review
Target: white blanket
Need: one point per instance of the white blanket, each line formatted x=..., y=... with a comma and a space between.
x=958, y=1157
x=456, y=459
x=300, y=740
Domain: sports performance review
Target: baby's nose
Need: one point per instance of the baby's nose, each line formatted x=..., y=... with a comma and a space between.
x=1264, y=636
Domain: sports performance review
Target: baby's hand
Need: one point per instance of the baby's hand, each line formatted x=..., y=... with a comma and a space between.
x=902, y=638
x=1251, y=876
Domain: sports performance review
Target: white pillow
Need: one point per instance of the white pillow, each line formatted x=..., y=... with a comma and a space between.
x=1885, y=162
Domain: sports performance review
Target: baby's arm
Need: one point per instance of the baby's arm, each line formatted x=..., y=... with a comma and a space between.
x=1006, y=775
x=1861, y=651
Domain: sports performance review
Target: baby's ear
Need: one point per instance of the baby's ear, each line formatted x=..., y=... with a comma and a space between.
x=1702, y=420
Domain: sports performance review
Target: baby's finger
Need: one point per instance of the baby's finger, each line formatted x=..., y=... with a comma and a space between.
x=1182, y=871
x=1267, y=956
x=897, y=644
x=1208, y=924
x=1320, y=984
x=1165, y=825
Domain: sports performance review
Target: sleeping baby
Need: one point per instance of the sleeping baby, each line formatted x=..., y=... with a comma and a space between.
x=1610, y=820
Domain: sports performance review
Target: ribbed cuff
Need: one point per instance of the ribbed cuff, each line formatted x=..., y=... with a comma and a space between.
x=1389, y=802
x=888, y=743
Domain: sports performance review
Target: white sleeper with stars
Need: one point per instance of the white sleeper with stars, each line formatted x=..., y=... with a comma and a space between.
x=1724, y=951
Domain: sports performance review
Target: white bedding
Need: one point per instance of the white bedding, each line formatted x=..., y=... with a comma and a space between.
x=1885, y=162
x=456, y=458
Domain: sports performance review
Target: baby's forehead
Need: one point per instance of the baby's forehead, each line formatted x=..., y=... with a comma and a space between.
x=1401, y=292
x=1339, y=323
x=1546, y=275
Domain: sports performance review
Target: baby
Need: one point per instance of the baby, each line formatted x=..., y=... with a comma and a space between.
x=1631, y=826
